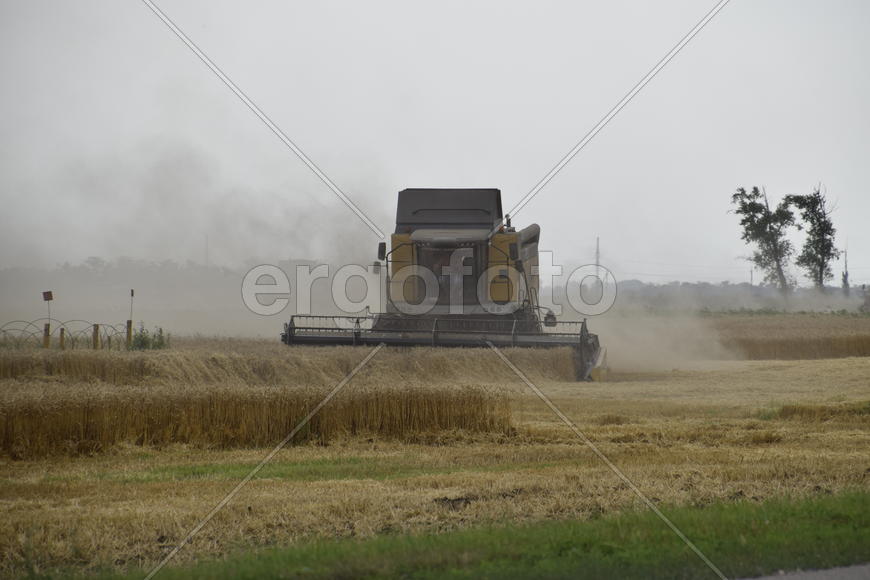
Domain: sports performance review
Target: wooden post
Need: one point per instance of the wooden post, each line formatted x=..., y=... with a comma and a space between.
x=129, y=333
x=46, y=335
x=62, y=338
x=96, y=336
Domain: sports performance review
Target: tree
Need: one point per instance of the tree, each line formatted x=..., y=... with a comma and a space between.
x=766, y=229
x=818, y=250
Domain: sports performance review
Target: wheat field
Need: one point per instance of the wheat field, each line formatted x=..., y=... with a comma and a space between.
x=109, y=459
x=83, y=401
x=794, y=336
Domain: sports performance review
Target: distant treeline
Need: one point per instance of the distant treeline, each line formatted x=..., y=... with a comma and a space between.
x=725, y=297
x=191, y=298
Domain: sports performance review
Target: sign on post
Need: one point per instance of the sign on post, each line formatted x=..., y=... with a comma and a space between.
x=47, y=296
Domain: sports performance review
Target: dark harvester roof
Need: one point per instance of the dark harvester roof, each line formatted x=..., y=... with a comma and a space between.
x=428, y=208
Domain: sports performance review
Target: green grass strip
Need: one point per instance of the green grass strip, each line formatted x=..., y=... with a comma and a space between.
x=743, y=539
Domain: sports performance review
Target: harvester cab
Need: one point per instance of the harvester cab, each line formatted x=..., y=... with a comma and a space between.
x=458, y=274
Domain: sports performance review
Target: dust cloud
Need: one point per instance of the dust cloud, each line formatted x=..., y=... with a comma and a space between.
x=657, y=343
x=171, y=200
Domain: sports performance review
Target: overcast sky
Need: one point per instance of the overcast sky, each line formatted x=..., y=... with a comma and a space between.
x=116, y=140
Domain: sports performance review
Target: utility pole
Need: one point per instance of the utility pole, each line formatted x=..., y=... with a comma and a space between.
x=846, y=288
x=597, y=258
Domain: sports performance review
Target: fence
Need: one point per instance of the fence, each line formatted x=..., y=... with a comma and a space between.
x=71, y=334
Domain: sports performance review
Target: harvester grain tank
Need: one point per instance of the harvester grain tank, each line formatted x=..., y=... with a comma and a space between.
x=458, y=274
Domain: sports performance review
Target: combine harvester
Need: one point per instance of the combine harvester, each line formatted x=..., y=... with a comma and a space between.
x=457, y=277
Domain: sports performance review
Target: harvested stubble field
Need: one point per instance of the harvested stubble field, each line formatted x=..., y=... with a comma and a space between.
x=110, y=458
